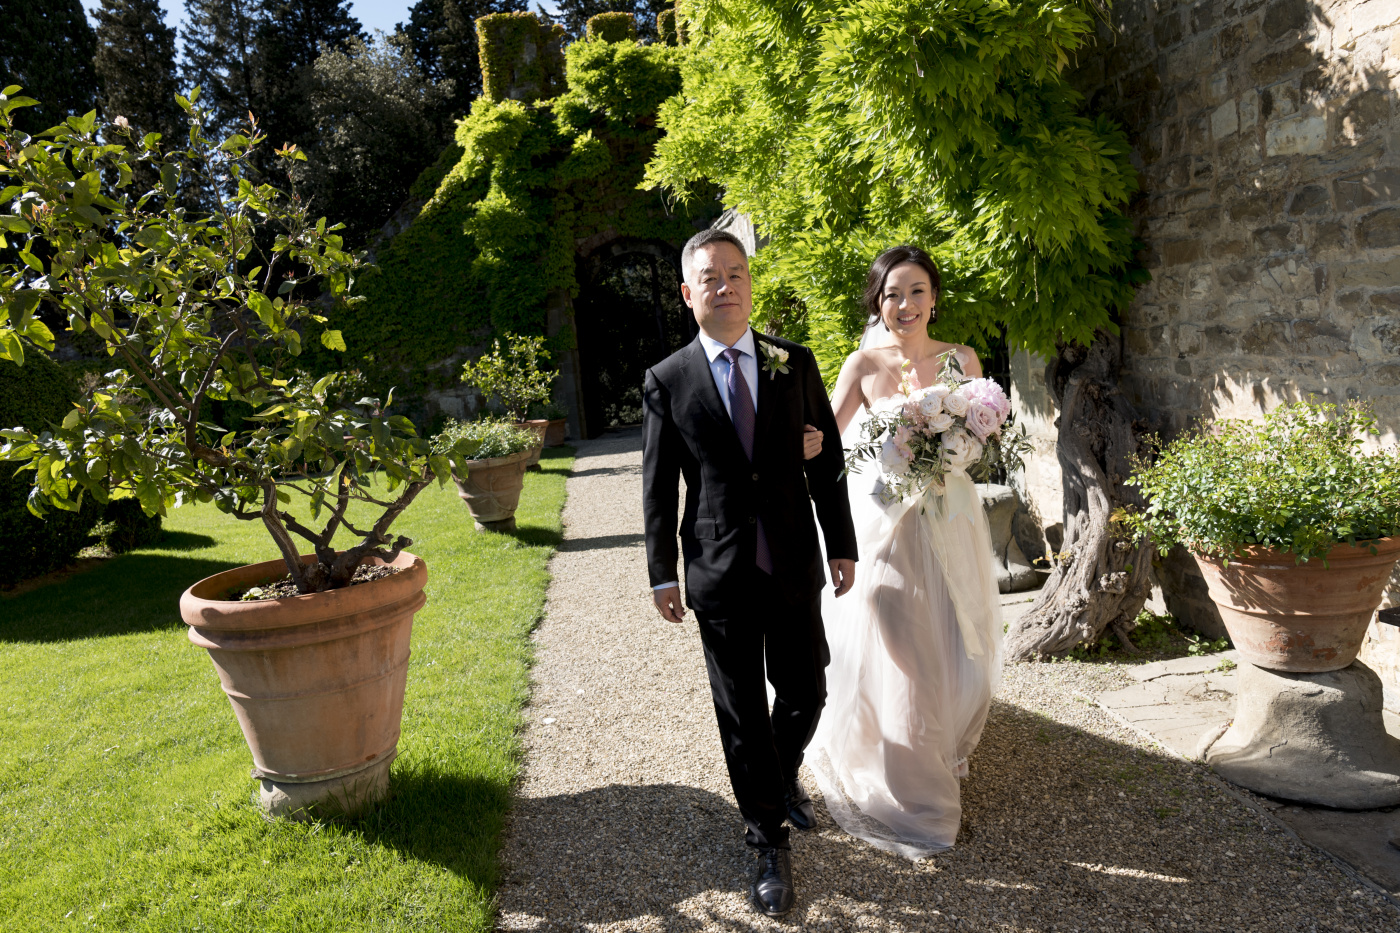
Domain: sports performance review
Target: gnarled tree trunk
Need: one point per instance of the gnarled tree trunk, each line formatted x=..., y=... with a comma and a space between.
x=1101, y=580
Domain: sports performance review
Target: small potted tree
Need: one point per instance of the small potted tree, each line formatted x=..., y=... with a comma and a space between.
x=1293, y=523
x=494, y=478
x=512, y=372
x=196, y=306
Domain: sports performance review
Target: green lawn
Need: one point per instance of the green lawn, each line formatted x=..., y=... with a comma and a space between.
x=125, y=798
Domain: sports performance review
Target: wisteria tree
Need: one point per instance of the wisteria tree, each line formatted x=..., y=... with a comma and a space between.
x=845, y=126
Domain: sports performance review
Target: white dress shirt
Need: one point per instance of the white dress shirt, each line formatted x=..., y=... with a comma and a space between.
x=719, y=369
x=719, y=366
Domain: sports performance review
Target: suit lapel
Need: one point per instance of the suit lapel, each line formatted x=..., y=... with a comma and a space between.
x=766, y=392
x=697, y=369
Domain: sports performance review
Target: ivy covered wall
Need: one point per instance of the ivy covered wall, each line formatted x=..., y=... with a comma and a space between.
x=531, y=184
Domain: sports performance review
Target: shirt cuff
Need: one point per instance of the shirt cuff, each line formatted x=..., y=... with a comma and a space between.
x=666, y=586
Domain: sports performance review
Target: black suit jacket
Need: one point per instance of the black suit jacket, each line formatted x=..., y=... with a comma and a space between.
x=686, y=431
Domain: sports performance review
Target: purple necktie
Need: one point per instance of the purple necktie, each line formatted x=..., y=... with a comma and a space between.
x=741, y=413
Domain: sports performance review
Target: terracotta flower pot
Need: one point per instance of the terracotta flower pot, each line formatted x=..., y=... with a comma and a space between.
x=1304, y=618
x=539, y=426
x=316, y=681
x=554, y=433
x=492, y=489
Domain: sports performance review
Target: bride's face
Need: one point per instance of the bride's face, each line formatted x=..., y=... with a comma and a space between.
x=906, y=303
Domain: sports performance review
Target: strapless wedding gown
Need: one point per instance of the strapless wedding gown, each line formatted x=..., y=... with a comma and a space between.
x=916, y=654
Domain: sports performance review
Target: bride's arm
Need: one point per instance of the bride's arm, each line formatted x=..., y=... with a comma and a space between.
x=848, y=396
x=971, y=365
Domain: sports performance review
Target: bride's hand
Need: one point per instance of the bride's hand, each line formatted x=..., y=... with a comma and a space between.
x=811, y=441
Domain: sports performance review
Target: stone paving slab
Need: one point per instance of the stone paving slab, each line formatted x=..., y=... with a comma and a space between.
x=1186, y=703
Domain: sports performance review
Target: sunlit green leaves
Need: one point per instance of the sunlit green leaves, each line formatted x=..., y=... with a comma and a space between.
x=1302, y=479
x=846, y=126
x=187, y=306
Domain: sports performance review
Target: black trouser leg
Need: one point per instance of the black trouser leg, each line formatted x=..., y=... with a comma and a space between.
x=759, y=750
x=797, y=658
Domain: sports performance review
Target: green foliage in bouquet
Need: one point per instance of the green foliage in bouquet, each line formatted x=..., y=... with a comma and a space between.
x=1300, y=480
x=845, y=126
x=487, y=438
x=513, y=373
x=193, y=308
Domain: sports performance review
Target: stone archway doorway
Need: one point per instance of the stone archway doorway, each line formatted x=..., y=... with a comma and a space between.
x=628, y=316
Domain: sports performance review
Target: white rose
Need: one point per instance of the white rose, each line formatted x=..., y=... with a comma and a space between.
x=955, y=404
x=930, y=403
x=940, y=422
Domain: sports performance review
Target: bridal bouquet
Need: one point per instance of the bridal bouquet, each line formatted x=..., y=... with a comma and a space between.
x=922, y=432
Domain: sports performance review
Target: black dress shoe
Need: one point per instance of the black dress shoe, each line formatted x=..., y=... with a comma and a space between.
x=773, y=893
x=801, y=813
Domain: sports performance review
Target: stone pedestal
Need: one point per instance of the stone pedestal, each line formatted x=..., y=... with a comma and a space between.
x=1013, y=571
x=346, y=796
x=1315, y=738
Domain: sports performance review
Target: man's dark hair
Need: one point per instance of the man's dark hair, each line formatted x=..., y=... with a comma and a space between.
x=705, y=238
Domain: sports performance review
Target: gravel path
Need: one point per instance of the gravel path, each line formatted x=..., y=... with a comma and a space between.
x=624, y=818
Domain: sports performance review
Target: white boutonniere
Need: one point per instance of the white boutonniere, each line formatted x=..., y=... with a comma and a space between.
x=775, y=359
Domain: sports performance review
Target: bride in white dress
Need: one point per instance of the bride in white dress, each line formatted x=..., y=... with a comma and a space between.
x=916, y=647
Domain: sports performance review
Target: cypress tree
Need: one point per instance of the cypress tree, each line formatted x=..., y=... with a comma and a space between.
x=47, y=50
x=221, y=57
x=136, y=64
x=443, y=36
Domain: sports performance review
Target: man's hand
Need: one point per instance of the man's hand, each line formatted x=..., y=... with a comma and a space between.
x=811, y=441
x=668, y=603
x=843, y=575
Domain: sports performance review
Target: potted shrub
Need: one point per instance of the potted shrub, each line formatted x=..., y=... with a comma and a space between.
x=1293, y=522
x=555, y=417
x=196, y=306
x=492, y=481
x=512, y=373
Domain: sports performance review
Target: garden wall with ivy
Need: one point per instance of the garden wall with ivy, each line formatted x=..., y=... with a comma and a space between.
x=531, y=184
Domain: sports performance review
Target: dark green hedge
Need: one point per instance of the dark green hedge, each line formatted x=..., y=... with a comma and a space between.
x=126, y=527
x=36, y=395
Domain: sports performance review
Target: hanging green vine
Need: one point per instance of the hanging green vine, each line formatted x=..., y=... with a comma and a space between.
x=509, y=202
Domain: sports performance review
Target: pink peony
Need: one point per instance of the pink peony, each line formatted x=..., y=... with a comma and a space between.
x=989, y=394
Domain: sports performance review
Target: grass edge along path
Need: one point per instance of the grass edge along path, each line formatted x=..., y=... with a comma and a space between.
x=125, y=797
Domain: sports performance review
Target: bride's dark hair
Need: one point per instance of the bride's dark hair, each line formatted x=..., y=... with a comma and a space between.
x=880, y=270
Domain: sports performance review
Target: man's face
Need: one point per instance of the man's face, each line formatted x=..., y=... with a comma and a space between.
x=718, y=290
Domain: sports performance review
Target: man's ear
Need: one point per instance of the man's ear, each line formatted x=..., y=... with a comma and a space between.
x=685, y=294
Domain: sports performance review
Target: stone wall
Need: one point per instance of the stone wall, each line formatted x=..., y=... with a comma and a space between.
x=1267, y=136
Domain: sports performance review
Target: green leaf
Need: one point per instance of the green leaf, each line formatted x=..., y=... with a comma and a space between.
x=149, y=496
x=10, y=347
x=332, y=340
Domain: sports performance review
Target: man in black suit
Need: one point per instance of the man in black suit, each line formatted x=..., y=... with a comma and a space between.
x=728, y=412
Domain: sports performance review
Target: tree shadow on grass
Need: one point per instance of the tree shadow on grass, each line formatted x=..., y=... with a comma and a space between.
x=137, y=592
x=450, y=820
x=184, y=541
